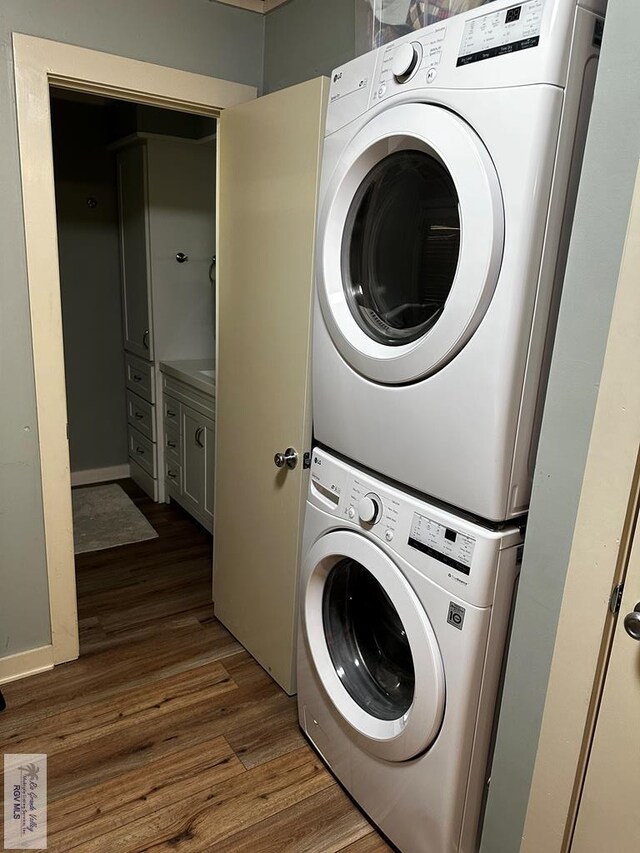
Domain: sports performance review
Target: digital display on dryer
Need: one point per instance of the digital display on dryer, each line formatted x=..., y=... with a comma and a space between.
x=513, y=15
x=501, y=33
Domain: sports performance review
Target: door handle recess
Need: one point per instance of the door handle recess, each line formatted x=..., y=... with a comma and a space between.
x=199, y=432
x=632, y=623
x=288, y=458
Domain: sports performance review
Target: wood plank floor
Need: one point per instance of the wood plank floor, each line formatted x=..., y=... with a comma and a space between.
x=165, y=734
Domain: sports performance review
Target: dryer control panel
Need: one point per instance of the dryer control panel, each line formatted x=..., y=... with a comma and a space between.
x=493, y=46
x=456, y=553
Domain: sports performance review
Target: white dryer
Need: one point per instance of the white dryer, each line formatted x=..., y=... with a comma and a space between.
x=450, y=169
x=403, y=616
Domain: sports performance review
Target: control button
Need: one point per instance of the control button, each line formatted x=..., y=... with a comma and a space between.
x=382, y=90
x=370, y=509
x=388, y=535
x=351, y=512
x=404, y=62
x=431, y=75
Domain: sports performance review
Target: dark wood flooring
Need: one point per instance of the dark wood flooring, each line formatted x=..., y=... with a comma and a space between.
x=165, y=734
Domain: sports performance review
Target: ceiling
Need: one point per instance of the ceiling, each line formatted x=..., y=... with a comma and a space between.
x=262, y=6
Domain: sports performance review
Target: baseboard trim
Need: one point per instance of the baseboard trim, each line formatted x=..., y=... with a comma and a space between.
x=99, y=475
x=26, y=663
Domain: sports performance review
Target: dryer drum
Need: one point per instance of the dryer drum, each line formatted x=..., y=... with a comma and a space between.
x=400, y=247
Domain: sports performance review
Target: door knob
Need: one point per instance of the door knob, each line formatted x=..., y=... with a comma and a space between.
x=288, y=458
x=181, y=258
x=632, y=623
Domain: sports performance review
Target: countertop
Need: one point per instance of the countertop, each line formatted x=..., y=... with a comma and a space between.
x=191, y=372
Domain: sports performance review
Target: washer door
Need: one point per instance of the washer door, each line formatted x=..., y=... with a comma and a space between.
x=410, y=243
x=373, y=646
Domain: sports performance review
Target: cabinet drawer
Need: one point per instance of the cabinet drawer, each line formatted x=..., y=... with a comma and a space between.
x=205, y=404
x=142, y=451
x=172, y=444
x=140, y=415
x=171, y=412
x=144, y=480
x=140, y=377
x=173, y=476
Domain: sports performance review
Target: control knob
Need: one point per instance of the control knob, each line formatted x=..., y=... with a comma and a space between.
x=370, y=508
x=404, y=62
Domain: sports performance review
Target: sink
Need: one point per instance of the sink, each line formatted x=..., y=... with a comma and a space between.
x=208, y=373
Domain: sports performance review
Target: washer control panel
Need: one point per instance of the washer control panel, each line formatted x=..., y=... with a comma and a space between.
x=352, y=497
x=449, y=546
x=456, y=553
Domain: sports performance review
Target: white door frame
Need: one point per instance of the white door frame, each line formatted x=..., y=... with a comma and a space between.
x=38, y=64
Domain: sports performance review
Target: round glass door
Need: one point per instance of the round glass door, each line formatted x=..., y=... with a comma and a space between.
x=367, y=642
x=411, y=235
x=372, y=645
x=401, y=246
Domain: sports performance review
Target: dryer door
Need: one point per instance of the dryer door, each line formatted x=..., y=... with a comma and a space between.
x=372, y=646
x=411, y=236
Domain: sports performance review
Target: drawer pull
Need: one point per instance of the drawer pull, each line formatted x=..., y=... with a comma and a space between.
x=171, y=443
x=139, y=415
x=171, y=474
x=136, y=377
x=170, y=414
x=140, y=451
x=199, y=432
x=145, y=339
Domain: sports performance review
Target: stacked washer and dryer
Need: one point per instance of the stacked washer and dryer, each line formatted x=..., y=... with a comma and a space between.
x=450, y=171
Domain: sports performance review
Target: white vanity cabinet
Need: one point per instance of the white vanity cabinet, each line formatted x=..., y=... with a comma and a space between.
x=188, y=439
x=167, y=194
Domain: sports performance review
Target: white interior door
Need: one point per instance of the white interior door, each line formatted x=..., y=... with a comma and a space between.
x=269, y=160
x=608, y=812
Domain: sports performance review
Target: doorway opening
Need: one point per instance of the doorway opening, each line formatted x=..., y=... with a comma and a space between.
x=135, y=190
x=38, y=65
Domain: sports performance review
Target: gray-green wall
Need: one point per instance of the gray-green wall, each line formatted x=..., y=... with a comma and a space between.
x=306, y=39
x=194, y=35
x=611, y=160
x=89, y=255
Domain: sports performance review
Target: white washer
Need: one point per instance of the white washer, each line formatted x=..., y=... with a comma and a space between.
x=450, y=169
x=402, y=627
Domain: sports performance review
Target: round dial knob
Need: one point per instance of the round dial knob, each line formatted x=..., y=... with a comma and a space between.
x=404, y=62
x=370, y=509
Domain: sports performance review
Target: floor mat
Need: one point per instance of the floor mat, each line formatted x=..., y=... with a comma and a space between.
x=104, y=517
